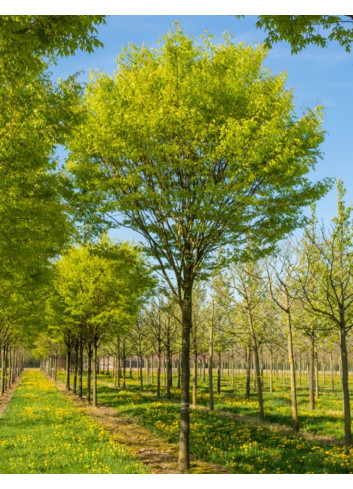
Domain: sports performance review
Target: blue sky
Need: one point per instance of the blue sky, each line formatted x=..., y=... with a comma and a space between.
x=318, y=76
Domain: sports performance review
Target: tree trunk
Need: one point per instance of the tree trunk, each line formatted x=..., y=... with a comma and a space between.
x=179, y=373
x=311, y=373
x=248, y=379
x=3, y=369
x=184, y=446
x=210, y=369
x=204, y=368
x=115, y=367
x=194, y=382
x=124, y=364
x=345, y=388
x=300, y=370
x=95, y=347
x=152, y=379
x=293, y=389
x=147, y=370
x=317, y=376
x=219, y=373
x=168, y=368
x=141, y=376
x=68, y=366
x=233, y=379
x=159, y=374
x=81, y=369
x=332, y=371
x=89, y=372
x=76, y=367
x=271, y=373
x=257, y=366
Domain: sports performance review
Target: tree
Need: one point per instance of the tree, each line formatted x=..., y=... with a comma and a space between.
x=35, y=116
x=195, y=147
x=281, y=280
x=247, y=281
x=310, y=325
x=327, y=289
x=301, y=31
x=102, y=288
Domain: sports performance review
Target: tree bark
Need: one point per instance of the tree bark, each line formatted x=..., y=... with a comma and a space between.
x=141, y=376
x=194, y=383
x=124, y=363
x=95, y=347
x=210, y=369
x=316, y=376
x=219, y=373
x=345, y=388
x=184, y=446
x=332, y=371
x=179, y=373
x=248, y=379
x=271, y=373
x=76, y=367
x=295, y=421
x=81, y=369
x=89, y=372
x=68, y=366
x=159, y=374
x=311, y=373
x=203, y=368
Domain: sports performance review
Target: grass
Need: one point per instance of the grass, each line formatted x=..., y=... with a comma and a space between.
x=238, y=446
x=42, y=432
x=325, y=420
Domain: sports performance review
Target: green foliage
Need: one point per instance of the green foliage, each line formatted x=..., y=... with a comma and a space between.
x=301, y=31
x=98, y=290
x=35, y=116
x=196, y=146
x=27, y=42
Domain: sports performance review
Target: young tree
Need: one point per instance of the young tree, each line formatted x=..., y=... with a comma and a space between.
x=195, y=147
x=102, y=287
x=247, y=282
x=327, y=288
x=281, y=279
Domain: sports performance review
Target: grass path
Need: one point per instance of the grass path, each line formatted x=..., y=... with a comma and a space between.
x=5, y=398
x=41, y=431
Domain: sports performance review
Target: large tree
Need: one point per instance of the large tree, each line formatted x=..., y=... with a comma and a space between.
x=35, y=116
x=194, y=146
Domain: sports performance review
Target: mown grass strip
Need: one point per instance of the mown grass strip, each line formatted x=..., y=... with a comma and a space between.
x=42, y=432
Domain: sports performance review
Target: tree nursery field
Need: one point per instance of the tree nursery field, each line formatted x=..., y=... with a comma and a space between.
x=170, y=301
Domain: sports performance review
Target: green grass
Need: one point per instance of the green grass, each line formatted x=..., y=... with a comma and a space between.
x=42, y=432
x=325, y=420
x=238, y=446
